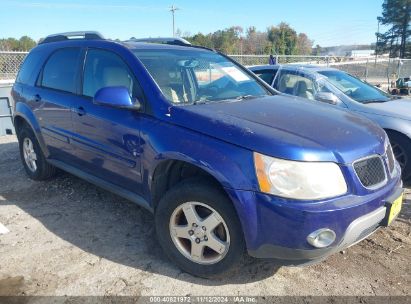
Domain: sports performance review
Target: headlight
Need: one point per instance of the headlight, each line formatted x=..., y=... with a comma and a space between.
x=297, y=179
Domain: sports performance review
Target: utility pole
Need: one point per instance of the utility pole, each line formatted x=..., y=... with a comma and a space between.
x=376, y=44
x=172, y=10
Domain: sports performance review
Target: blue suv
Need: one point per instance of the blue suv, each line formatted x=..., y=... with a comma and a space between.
x=225, y=164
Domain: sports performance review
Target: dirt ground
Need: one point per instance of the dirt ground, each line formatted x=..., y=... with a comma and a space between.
x=68, y=237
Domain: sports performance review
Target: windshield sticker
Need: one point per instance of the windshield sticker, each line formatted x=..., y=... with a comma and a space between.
x=235, y=73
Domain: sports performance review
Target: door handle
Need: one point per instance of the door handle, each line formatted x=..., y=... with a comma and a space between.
x=80, y=111
x=37, y=98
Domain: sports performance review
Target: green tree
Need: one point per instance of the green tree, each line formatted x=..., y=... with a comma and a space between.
x=227, y=40
x=26, y=43
x=396, y=14
x=201, y=39
x=283, y=39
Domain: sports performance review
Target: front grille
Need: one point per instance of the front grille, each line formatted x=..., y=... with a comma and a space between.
x=370, y=171
x=390, y=159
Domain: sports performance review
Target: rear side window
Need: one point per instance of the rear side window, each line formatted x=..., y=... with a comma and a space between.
x=29, y=67
x=106, y=69
x=266, y=75
x=61, y=69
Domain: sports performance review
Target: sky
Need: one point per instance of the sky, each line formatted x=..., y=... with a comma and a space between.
x=327, y=22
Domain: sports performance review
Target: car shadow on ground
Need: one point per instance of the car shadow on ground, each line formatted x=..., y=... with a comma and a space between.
x=102, y=223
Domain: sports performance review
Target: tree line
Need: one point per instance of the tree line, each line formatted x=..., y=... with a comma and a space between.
x=25, y=43
x=279, y=40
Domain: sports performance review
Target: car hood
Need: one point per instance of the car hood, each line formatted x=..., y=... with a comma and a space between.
x=399, y=108
x=285, y=127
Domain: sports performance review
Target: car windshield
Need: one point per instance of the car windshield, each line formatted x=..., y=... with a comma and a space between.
x=198, y=76
x=355, y=88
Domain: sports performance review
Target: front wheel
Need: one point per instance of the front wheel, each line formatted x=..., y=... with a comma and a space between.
x=199, y=230
x=401, y=147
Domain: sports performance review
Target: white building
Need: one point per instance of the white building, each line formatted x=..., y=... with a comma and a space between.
x=362, y=53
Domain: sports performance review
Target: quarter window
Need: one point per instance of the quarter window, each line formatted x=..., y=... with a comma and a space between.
x=30, y=65
x=60, y=70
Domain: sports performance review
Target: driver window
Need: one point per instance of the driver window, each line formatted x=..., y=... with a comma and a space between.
x=106, y=69
x=294, y=84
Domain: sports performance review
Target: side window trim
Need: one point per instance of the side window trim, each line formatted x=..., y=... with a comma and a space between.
x=39, y=80
x=274, y=74
x=276, y=77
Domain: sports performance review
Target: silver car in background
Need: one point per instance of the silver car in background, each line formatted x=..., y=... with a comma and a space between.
x=321, y=84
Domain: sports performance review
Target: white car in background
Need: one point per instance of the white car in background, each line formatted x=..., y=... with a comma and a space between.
x=322, y=84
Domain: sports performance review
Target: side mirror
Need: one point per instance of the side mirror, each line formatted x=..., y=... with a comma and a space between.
x=116, y=97
x=327, y=98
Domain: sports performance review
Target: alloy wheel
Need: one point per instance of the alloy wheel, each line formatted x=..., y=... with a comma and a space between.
x=199, y=233
x=30, y=156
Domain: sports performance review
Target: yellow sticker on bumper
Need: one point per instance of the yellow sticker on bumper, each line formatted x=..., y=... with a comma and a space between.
x=395, y=209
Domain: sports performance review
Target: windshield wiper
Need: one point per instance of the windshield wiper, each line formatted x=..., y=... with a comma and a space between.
x=243, y=97
x=200, y=101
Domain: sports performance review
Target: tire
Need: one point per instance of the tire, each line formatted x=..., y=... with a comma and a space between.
x=42, y=170
x=205, y=198
x=401, y=147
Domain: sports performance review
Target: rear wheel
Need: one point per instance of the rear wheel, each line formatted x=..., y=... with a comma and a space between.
x=34, y=161
x=199, y=230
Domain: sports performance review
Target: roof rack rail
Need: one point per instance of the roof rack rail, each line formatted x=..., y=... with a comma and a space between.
x=87, y=35
x=172, y=41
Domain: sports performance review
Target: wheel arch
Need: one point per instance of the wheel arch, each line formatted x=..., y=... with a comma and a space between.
x=392, y=131
x=24, y=116
x=169, y=172
x=404, y=141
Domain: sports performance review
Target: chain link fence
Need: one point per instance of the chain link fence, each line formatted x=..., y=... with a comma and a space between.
x=10, y=63
x=381, y=70
x=375, y=70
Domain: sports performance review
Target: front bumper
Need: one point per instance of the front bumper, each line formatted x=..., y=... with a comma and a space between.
x=277, y=228
x=358, y=230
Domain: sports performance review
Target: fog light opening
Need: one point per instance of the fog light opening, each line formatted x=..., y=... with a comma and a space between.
x=321, y=238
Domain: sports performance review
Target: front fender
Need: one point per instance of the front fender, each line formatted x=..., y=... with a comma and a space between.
x=231, y=165
x=23, y=111
x=389, y=123
x=386, y=122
